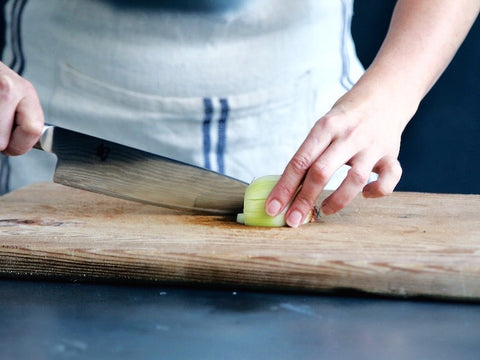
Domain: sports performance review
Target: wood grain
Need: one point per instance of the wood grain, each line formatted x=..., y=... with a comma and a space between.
x=407, y=244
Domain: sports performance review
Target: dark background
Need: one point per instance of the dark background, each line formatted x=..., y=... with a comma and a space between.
x=440, y=149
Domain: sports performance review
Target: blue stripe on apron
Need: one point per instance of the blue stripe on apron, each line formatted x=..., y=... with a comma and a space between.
x=207, y=121
x=222, y=134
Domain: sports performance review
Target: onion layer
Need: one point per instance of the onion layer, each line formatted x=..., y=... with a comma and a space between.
x=254, y=204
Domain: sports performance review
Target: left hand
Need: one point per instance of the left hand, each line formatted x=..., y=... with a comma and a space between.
x=363, y=130
x=364, y=127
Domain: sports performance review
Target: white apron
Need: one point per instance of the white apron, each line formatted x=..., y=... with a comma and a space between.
x=233, y=86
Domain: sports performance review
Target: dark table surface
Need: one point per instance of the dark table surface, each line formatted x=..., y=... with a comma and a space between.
x=42, y=320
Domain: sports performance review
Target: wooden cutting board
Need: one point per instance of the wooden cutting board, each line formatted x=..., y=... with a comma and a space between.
x=407, y=244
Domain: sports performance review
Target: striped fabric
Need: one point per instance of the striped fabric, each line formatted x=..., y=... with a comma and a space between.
x=234, y=89
x=216, y=124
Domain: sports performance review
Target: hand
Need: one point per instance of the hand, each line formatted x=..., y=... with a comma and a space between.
x=364, y=127
x=21, y=115
x=363, y=130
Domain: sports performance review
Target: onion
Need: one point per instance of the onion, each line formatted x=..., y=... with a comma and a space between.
x=254, y=204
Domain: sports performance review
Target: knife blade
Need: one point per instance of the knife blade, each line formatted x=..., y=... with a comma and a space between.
x=90, y=163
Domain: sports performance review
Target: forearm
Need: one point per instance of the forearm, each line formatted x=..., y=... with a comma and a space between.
x=364, y=127
x=422, y=39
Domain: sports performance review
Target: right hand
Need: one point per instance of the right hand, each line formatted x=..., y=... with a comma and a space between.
x=21, y=115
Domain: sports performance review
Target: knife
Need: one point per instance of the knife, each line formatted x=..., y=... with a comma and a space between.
x=97, y=165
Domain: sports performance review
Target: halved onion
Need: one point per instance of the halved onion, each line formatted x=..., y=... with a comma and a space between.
x=254, y=204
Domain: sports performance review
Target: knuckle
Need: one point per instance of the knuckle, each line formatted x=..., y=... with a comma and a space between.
x=6, y=87
x=33, y=128
x=328, y=121
x=357, y=177
x=300, y=164
x=14, y=86
x=319, y=173
x=393, y=168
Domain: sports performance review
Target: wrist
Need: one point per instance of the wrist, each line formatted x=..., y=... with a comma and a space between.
x=390, y=93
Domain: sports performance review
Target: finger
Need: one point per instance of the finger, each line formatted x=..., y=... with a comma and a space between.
x=315, y=144
x=29, y=123
x=337, y=154
x=8, y=104
x=389, y=173
x=351, y=186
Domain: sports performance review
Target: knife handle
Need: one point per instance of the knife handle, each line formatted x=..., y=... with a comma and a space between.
x=46, y=139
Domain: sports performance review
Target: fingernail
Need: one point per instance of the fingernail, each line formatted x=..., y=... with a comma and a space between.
x=294, y=219
x=273, y=207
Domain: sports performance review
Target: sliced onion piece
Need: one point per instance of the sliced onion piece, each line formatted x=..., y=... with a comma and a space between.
x=254, y=204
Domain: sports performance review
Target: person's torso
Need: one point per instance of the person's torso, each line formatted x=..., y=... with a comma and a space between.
x=221, y=84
